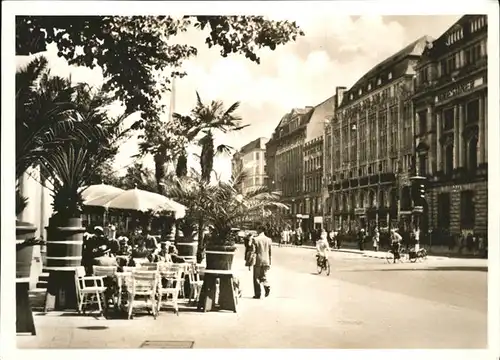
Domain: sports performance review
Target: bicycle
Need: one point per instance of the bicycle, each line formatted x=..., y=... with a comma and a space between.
x=389, y=257
x=322, y=263
x=420, y=255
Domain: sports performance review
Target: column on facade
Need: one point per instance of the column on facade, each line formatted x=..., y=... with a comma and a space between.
x=485, y=147
x=340, y=143
x=437, y=143
x=456, y=144
x=481, y=136
x=367, y=137
x=357, y=143
x=430, y=115
x=388, y=132
x=461, y=142
x=377, y=130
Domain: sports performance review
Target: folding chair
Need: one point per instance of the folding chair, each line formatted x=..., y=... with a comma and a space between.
x=195, y=282
x=89, y=294
x=110, y=281
x=144, y=284
x=169, y=285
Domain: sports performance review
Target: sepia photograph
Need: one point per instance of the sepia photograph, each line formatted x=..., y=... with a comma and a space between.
x=257, y=179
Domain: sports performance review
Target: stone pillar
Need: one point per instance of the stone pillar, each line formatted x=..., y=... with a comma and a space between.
x=485, y=148
x=430, y=115
x=416, y=124
x=388, y=132
x=439, y=158
x=367, y=135
x=340, y=143
x=456, y=144
x=461, y=142
x=480, y=147
x=357, y=144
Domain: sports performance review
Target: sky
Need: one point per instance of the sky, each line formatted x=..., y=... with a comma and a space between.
x=335, y=51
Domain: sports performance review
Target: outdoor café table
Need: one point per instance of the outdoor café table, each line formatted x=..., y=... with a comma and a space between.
x=227, y=296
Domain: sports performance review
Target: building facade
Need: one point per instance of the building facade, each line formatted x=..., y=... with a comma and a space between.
x=251, y=158
x=284, y=155
x=313, y=184
x=373, y=146
x=451, y=127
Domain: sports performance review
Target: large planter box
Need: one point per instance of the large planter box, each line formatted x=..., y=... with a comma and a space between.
x=220, y=257
x=24, y=254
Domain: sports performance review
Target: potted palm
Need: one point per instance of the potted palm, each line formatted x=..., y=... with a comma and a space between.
x=70, y=165
x=225, y=209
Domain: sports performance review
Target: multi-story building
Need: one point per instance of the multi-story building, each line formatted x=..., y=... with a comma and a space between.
x=251, y=159
x=314, y=166
x=284, y=154
x=451, y=127
x=373, y=145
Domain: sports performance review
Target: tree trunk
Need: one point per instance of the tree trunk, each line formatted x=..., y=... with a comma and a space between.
x=181, y=168
x=207, y=157
x=160, y=160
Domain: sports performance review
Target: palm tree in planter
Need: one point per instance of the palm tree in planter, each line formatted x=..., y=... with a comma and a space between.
x=225, y=208
x=69, y=166
x=42, y=105
x=189, y=191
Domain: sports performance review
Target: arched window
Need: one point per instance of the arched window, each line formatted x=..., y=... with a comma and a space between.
x=448, y=159
x=381, y=198
x=371, y=199
x=472, y=154
x=362, y=199
x=353, y=201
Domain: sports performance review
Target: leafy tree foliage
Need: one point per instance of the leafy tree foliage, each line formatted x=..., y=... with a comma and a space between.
x=135, y=52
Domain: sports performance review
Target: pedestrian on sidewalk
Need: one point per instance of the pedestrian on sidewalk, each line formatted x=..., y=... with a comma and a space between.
x=262, y=249
x=361, y=239
x=376, y=239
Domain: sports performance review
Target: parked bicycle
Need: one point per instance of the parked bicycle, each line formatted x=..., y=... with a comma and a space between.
x=323, y=264
x=420, y=255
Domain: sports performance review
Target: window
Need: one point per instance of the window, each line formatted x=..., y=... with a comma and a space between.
x=472, y=114
x=472, y=54
x=372, y=131
x=472, y=154
x=257, y=156
x=382, y=133
x=394, y=128
x=467, y=209
x=422, y=122
x=379, y=81
x=389, y=76
x=448, y=159
x=369, y=86
x=448, y=119
x=360, y=91
x=362, y=140
x=443, y=211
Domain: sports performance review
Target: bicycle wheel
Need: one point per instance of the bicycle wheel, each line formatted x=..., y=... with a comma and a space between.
x=389, y=257
x=422, y=254
x=327, y=267
x=402, y=255
x=319, y=268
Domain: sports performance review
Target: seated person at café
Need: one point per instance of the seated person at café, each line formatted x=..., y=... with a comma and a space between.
x=172, y=251
x=123, y=247
x=151, y=242
x=139, y=254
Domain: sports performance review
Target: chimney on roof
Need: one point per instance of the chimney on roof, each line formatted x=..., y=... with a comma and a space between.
x=339, y=92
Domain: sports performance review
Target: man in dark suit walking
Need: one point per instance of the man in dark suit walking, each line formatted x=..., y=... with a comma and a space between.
x=262, y=249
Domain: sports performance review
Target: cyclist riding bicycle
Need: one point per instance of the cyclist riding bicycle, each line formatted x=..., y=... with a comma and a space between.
x=322, y=248
x=396, y=244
